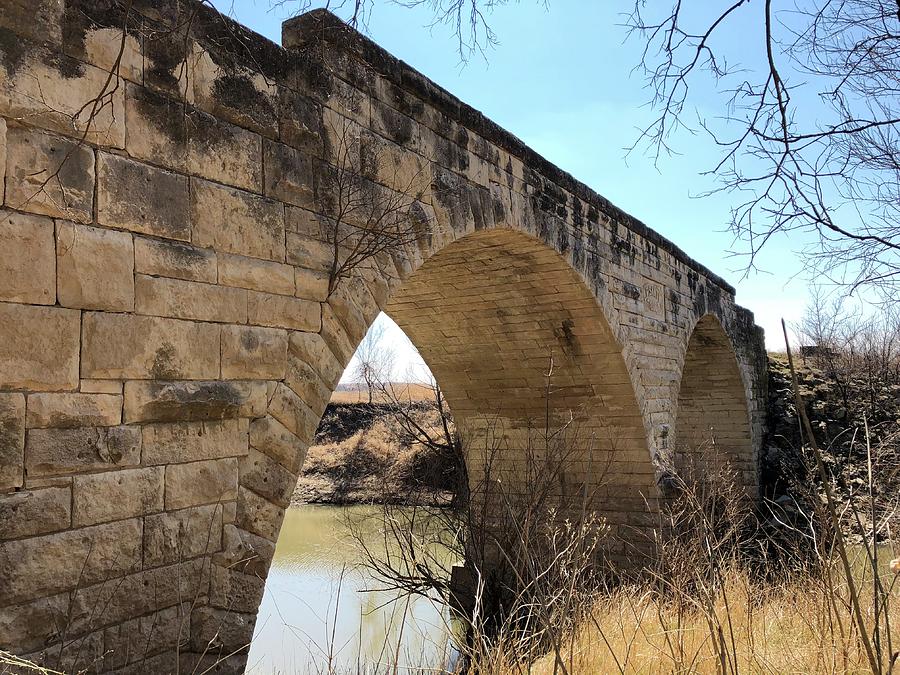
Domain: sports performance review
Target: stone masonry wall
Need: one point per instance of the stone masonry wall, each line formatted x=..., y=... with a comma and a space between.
x=168, y=341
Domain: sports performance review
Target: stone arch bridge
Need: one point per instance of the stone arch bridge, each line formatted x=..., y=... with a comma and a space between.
x=168, y=340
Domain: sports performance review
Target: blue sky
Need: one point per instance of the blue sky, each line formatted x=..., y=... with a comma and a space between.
x=563, y=80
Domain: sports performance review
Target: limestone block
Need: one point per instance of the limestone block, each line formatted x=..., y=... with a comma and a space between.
x=311, y=284
x=281, y=311
x=240, y=95
x=71, y=655
x=122, y=346
x=36, y=19
x=49, y=174
x=174, y=259
x=304, y=380
x=267, y=478
x=255, y=274
x=309, y=224
x=137, y=197
x=28, y=263
x=340, y=344
x=121, y=599
x=271, y=437
x=196, y=483
x=233, y=221
x=158, y=296
x=286, y=407
x=258, y=515
x=193, y=401
x=27, y=626
x=52, y=563
x=104, y=48
x=95, y=268
x=300, y=121
x=291, y=176
x=38, y=348
x=245, y=552
x=217, y=629
x=56, y=92
x=224, y=153
x=56, y=451
x=308, y=253
x=31, y=512
x=157, y=129
x=180, y=535
x=101, y=387
x=12, y=440
x=250, y=352
x=113, y=495
x=312, y=349
x=166, y=631
x=232, y=590
x=345, y=308
x=188, y=442
x=74, y=410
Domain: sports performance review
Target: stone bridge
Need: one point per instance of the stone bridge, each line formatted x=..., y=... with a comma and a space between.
x=173, y=318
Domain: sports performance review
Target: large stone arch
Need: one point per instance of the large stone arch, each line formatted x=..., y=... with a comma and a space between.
x=168, y=342
x=712, y=434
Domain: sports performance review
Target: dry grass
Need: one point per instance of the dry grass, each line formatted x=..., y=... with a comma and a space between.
x=404, y=391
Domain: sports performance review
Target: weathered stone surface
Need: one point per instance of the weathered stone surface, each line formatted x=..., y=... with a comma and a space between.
x=101, y=387
x=224, y=153
x=174, y=536
x=335, y=337
x=54, y=92
x=290, y=175
x=308, y=253
x=120, y=346
x=312, y=349
x=188, y=442
x=189, y=300
x=208, y=482
x=57, y=451
x=50, y=175
x=31, y=512
x=26, y=627
x=74, y=655
x=95, y=268
x=286, y=407
x=310, y=284
x=193, y=401
x=12, y=440
x=137, y=197
x=28, y=263
x=105, y=48
x=2, y=159
x=74, y=410
x=250, y=352
x=267, y=478
x=245, y=552
x=217, y=629
x=38, y=348
x=137, y=594
x=31, y=568
x=113, y=495
x=255, y=274
x=174, y=259
x=305, y=381
x=258, y=515
x=167, y=631
x=271, y=437
x=234, y=221
x=157, y=129
x=281, y=311
x=233, y=590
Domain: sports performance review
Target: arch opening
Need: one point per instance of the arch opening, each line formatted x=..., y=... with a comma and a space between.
x=712, y=426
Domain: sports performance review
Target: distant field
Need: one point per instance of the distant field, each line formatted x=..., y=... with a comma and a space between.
x=357, y=393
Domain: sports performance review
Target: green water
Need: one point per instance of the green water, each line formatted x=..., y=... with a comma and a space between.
x=318, y=614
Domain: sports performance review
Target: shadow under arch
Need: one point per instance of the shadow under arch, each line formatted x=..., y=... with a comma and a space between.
x=487, y=312
x=712, y=423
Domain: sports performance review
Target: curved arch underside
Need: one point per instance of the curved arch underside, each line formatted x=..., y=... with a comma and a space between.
x=488, y=313
x=712, y=428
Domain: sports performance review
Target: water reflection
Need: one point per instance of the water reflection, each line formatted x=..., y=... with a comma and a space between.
x=318, y=614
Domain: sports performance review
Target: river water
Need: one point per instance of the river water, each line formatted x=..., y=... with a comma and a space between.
x=319, y=614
